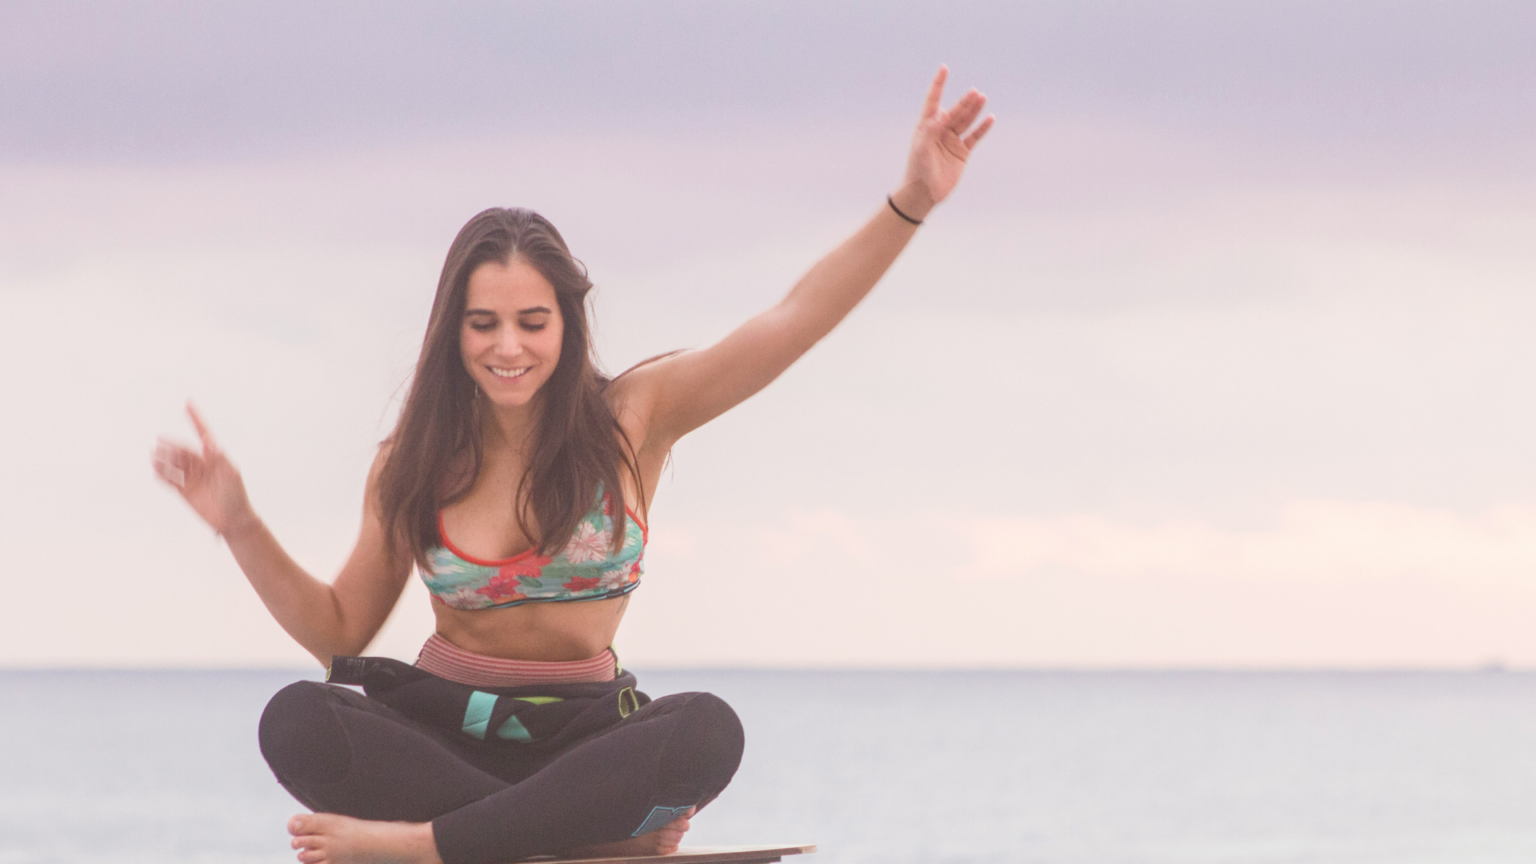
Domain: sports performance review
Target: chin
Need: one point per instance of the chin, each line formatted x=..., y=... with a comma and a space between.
x=509, y=400
x=510, y=397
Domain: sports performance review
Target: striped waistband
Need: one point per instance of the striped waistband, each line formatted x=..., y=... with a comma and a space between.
x=447, y=660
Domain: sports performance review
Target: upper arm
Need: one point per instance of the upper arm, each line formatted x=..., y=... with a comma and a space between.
x=369, y=584
x=681, y=392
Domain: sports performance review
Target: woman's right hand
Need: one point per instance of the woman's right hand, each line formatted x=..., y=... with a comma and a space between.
x=206, y=480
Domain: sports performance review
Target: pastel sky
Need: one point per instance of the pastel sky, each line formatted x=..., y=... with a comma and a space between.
x=1220, y=356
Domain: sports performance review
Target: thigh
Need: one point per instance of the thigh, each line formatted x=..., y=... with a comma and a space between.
x=338, y=751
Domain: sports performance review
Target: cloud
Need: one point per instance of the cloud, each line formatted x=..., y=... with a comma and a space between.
x=1245, y=264
x=1331, y=583
x=1314, y=541
x=158, y=81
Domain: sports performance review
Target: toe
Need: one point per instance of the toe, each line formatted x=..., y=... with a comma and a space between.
x=667, y=840
x=299, y=824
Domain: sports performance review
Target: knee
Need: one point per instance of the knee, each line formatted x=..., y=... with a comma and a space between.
x=300, y=736
x=718, y=728
x=707, y=744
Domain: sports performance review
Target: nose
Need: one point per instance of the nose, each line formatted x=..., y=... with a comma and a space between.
x=508, y=344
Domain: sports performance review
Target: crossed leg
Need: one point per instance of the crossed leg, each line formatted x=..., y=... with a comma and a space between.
x=386, y=788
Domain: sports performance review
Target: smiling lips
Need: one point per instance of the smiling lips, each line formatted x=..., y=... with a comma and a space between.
x=508, y=373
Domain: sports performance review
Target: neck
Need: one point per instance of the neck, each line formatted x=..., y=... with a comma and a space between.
x=512, y=427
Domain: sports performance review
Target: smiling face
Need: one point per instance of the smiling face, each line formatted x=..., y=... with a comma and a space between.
x=512, y=331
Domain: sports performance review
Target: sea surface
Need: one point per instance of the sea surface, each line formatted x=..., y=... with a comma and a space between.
x=892, y=767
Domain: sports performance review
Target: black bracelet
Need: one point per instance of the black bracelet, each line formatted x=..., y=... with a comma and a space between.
x=901, y=214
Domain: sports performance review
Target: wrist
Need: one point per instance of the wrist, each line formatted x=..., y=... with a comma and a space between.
x=241, y=527
x=913, y=199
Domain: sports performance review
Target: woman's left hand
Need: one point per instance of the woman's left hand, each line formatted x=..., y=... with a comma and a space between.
x=940, y=148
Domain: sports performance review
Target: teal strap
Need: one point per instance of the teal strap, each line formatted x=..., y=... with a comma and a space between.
x=514, y=730
x=477, y=714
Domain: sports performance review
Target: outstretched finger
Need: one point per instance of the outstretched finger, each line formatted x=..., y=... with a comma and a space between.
x=935, y=92
x=971, y=139
x=169, y=468
x=174, y=476
x=965, y=111
x=209, y=445
x=172, y=451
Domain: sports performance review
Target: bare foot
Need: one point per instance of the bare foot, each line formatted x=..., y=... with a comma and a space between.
x=662, y=841
x=333, y=839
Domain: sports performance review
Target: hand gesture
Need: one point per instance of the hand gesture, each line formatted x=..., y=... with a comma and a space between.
x=206, y=480
x=940, y=147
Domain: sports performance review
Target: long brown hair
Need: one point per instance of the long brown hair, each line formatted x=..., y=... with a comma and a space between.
x=436, y=449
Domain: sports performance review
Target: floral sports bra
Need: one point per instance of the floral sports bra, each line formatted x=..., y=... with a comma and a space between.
x=586, y=569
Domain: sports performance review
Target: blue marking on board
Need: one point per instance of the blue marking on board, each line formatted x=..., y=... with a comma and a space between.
x=660, y=817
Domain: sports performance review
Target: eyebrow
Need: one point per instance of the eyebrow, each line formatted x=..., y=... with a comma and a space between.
x=531, y=310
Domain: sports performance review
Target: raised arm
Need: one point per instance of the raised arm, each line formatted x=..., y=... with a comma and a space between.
x=684, y=391
x=339, y=618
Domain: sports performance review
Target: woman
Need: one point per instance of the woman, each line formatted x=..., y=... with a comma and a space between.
x=517, y=478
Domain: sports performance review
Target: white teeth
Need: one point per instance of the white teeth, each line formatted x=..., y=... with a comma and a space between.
x=507, y=373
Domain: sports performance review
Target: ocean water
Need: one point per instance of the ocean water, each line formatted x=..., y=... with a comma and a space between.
x=877, y=766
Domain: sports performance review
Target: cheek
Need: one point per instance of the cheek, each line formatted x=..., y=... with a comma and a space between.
x=472, y=345
x=554, y=337
x=466, y=343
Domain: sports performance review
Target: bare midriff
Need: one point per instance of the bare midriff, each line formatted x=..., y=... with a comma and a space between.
x=550, y=632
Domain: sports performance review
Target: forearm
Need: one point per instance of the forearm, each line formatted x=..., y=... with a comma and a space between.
x=687, y=390
x=303, y=606
x=693, y=388
x=830, y=289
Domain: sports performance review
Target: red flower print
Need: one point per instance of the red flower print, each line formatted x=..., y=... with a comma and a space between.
x=502, y=588
x=532, y=566
x=581, y=583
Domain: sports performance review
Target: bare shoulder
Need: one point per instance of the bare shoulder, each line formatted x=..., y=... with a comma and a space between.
x=634, y=395
x=386, y=447
x=645, y=376
x=375, y=471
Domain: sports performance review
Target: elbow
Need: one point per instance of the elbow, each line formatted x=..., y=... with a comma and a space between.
x=344, y=647
x=348, y=639
x=349, y=646
x=341, y=641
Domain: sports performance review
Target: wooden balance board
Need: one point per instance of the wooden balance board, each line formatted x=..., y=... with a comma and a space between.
x=700, y=855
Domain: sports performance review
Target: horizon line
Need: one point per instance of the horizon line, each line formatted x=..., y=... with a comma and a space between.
x=1482, y=668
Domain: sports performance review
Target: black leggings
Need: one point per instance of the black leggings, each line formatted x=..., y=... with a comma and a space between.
x=339, y=751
